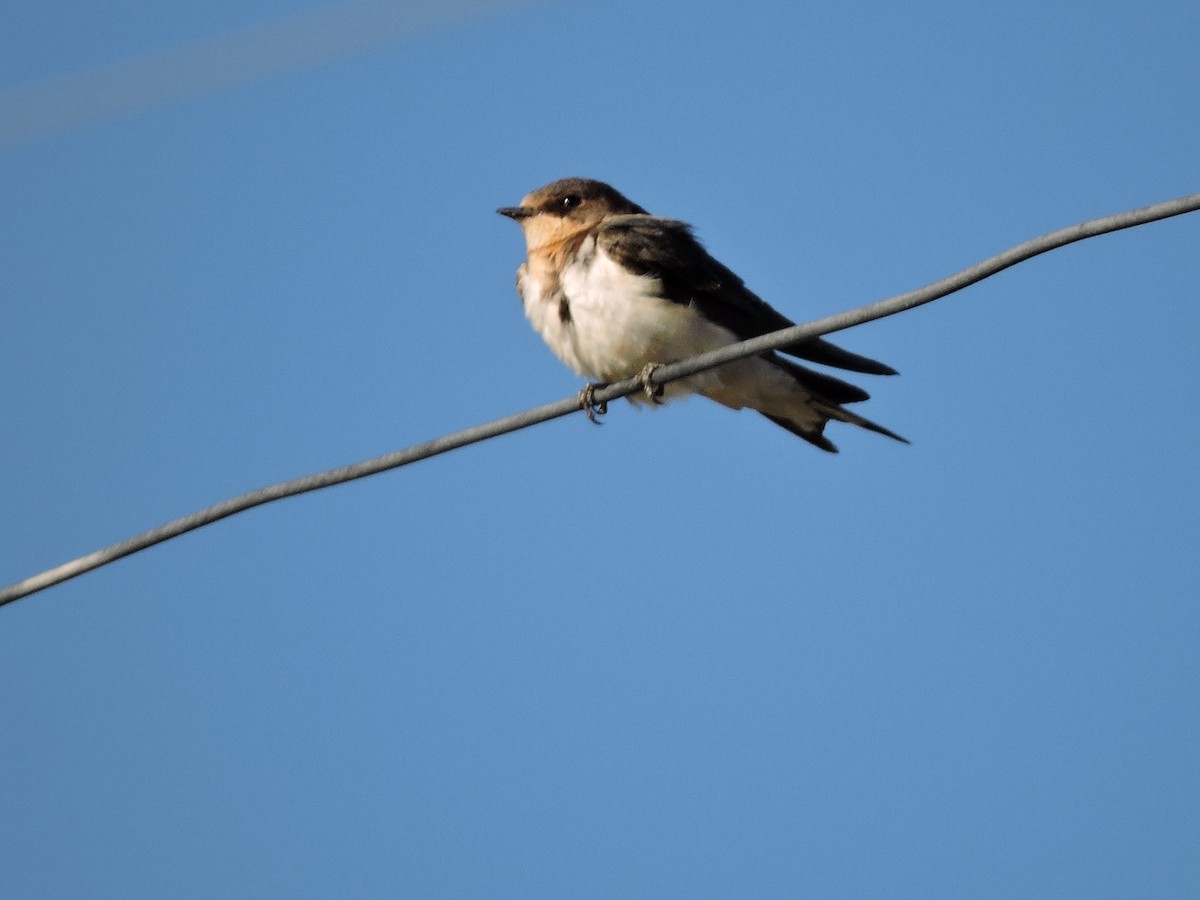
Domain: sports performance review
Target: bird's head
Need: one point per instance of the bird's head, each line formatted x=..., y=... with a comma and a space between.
x=563, y=208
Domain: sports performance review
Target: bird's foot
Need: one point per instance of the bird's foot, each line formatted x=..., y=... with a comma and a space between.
x=587, y=402
x=652, y=391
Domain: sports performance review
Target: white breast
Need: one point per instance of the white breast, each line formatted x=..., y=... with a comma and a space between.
x=618, y=321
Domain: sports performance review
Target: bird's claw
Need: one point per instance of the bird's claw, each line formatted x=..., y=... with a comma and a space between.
x=652, y=391
x=587, y=402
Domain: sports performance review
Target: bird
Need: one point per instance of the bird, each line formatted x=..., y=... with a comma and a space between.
x=616, y=292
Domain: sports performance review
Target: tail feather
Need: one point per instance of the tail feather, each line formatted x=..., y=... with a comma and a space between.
x=822, y=351
x=844, y=415
x=827, y=396
x=814, y=434
x=821, y=385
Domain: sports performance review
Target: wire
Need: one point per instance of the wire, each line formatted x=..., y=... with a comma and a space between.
x=601, y=395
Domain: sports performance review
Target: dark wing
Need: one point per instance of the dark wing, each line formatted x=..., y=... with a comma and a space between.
x=667, y=250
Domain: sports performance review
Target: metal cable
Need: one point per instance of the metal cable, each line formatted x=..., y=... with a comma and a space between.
x=660, y=375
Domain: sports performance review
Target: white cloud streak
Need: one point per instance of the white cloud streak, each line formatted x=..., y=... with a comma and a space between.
x=128, y=87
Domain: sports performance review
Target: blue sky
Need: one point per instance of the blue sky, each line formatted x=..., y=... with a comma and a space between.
x=680, y=655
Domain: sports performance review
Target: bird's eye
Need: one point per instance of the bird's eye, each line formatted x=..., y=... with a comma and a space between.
x=571, y=201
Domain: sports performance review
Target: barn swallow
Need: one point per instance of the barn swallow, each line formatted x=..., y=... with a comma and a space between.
x=616, y=291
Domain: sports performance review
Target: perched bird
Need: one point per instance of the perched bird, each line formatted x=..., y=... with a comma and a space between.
x=614, y=290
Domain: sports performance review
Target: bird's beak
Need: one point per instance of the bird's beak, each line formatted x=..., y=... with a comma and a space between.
x=516, y=212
